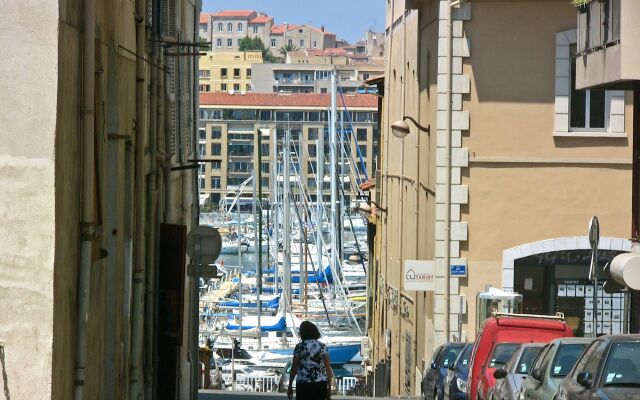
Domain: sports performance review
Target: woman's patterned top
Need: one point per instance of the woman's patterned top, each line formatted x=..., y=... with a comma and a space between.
x=311, y=354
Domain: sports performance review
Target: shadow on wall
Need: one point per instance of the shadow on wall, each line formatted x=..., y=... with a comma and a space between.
x=7, y=395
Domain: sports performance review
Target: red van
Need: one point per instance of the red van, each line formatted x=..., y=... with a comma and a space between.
x=498, y=339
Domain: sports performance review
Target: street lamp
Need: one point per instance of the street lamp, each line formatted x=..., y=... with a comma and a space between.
x=400, y=128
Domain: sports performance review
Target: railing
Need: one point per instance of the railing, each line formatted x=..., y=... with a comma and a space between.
x=599, y=25
x=259, y=384
x=344, y=384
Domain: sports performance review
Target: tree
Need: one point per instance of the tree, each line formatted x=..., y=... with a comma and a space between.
x=256, y=44
x=289, y=47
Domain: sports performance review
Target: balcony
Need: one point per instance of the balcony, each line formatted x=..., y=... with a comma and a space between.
x=294, y=82
x=608, y=45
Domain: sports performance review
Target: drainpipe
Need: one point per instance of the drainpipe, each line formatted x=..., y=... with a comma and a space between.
x=137, y=326
x=152, y=204
x=88, y=225
x=447, y=192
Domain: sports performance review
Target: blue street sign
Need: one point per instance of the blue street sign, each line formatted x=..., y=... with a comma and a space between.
x=458, y=270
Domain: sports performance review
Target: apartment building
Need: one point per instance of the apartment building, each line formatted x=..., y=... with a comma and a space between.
x=506, y=189
x=223, y=72
x=311, y=78
x=225, y=29
x=229, y=137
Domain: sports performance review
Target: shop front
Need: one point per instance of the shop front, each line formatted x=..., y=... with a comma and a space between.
x=557, y=280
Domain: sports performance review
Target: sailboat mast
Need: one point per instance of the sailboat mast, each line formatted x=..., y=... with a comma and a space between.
x=239, y=264
x=287, y=222
x=334, y=163
x=274, y=203
x=257, y=240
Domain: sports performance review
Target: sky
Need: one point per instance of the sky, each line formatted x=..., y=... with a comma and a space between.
x=349, y=19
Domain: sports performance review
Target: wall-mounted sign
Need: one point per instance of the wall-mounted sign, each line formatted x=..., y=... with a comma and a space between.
x=458, y=270
x=419, y=275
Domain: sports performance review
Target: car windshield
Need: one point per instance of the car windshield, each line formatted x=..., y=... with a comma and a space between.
x=462, y=362
x=527, y=358
x=566, y=358
x=623, y=365
x=450, y=355
x=502, y=352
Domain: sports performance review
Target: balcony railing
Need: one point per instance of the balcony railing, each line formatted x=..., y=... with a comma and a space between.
x=598, y=25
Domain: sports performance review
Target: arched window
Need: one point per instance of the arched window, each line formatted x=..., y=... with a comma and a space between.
x=229, y=27
x=240, y=28
x=220, y=27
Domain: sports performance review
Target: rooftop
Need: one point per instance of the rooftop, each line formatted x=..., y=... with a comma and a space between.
x=204, y=17
x=235, y=13
x=261, y=19
x=294, y=100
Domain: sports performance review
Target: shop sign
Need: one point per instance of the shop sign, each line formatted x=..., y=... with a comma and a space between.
x=419, y=275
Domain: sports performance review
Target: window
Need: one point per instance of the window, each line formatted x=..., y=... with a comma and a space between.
x=502, y=352
x=220, y=27
x=202, y=134
x=302, y=43
x=216, y=149
x=239, y=40
x=248, y=72
x=215, y=182
x=365, y=76
x=216, y=164
x=229, y=42
x=219, y=42
x=205, y=88
x=229, y=27
x=223, y=87
x=622, y=365
x=223, y=72
x=323, y=90
x=583, y=112
x=203, y=27
x=236, y=87
x=240, y=27
x=312, y=150
x=290, y=42
x=565, y=358
x=201, y=150
x=273, y=43
x=236, y=72
x=216, y=132
x=255, y=29
x=313, y=134
x=315, y=44
x=204, y=73
x=526, y=359
x=361, y=134
x=448, y=356
x=248, y=87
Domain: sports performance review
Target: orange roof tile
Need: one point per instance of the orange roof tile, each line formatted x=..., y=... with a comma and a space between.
x=235, y=13
x=205, y=17
x=261, y=19
x=294, y=100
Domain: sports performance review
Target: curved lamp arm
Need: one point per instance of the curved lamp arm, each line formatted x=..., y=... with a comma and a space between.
x=420, y=127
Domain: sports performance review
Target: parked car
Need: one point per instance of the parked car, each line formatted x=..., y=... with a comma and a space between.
x=455, y=385
x=433, y=378
x=498, y=339
x=608, y=369
x=554, y=362
x=509, y=378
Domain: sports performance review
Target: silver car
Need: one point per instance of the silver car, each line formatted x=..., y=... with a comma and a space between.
x=509, y=378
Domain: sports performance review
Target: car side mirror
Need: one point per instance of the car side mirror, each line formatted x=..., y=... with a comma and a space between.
x=434, y=366
x=536, y=374
x=584, y=378
x=500, y=373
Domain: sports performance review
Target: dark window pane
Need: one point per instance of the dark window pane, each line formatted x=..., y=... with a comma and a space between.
x=596, y=112
x=566, y=357
x=577, y=99
x=501, y=354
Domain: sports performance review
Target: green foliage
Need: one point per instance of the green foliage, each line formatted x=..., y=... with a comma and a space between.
x=287, y=48
x=256, y=44
x=580, y=3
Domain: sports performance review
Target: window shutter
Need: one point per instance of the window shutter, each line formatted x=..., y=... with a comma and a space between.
x=616, y=111
x=170, y=85
x=168, y=17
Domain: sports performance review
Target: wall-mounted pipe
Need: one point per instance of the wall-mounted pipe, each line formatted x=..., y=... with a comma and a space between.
x=88, y=225
x=447, y=165
x=137, y=326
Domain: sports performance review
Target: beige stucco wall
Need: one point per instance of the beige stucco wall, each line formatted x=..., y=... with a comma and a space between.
x=27, y=205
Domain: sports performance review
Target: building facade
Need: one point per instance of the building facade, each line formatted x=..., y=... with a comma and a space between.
x=224, y=72
x=229, y=137
x=92, y=273
x=310, y=78
x=506, y=188
x=225, y=29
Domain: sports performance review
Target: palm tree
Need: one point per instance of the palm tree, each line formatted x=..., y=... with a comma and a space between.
x=289, y=47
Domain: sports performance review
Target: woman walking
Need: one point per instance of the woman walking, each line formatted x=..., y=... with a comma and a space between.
x=311, y=366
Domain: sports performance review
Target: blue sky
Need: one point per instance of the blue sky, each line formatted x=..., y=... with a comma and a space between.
x=349, y=19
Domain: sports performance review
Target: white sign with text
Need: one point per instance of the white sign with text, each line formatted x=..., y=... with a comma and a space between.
x=419, y=275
